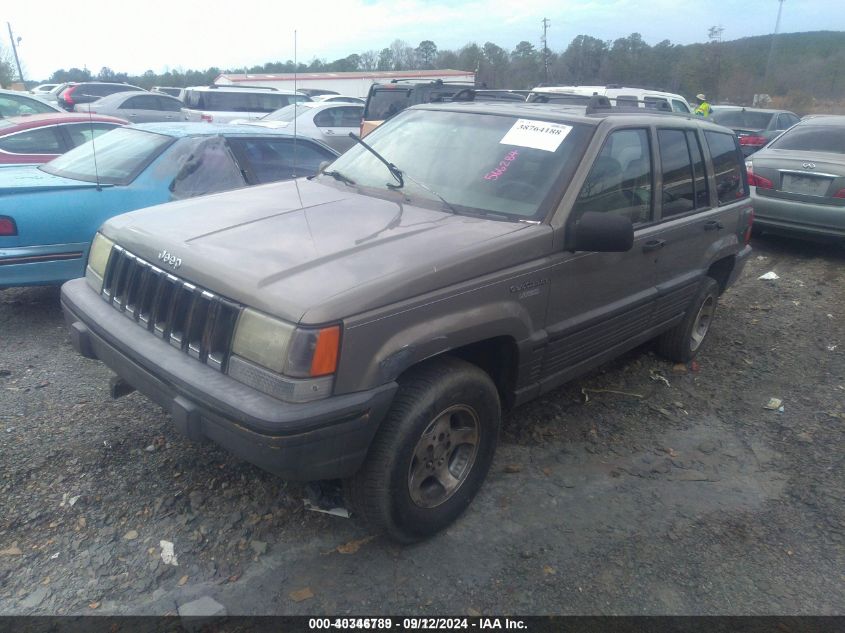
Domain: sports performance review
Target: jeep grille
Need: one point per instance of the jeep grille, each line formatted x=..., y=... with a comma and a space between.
x=190, y=318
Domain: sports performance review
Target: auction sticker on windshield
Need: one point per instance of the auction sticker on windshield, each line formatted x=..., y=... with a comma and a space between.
x=537, y=134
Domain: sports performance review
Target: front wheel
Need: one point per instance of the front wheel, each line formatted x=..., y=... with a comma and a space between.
x=432, y=452
x=683, y=341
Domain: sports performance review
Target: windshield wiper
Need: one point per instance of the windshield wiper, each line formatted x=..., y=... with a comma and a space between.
x=338, y=176
x=393, y=169
x=400, y=175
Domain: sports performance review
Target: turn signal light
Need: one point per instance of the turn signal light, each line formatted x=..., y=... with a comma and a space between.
x=325, y=352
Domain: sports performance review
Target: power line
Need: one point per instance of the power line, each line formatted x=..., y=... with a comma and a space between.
x=774, y=39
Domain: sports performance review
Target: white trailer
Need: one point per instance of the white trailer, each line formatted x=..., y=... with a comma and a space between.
x=353, y=84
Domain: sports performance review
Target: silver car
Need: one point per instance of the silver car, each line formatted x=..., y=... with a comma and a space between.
x=329, y=122
x=798, y=180
x=137, y=107
x=16, y=103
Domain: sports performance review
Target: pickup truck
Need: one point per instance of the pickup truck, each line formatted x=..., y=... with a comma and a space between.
x=372, y=322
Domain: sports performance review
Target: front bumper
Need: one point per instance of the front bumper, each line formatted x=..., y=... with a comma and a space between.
x=325, y=439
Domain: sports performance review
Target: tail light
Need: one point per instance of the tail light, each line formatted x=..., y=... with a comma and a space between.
x=749, y=227
x=7, y=226
x=839, y=194
x=208, y=118
x=67, y=95
x=757, y=181
x=752, y=140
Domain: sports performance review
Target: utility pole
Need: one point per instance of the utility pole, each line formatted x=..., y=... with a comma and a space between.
x=546, y=24
x=15, y=51
x=774, y=38
x=714, y=33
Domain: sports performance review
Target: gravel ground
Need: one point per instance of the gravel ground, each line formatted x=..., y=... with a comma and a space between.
x=642, y=488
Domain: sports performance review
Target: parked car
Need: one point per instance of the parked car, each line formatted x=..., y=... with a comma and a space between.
x=371, y=323
x=755, y=127
x=138, y=107
x=51, y=96
x=171, y=91
x=330, y=122
x=618, y=95
x=384, y=100
x=41, y=89
x=39, y=138
x=14, y=103
x=798, y=180
x=72, y=94
x=338, y=98
x=50, y=212
x=222, y=104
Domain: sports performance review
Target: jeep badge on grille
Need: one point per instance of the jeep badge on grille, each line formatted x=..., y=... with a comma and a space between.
x=170, y=259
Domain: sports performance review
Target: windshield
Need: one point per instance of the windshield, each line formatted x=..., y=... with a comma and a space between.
x=743, y=119
x=813, y=138
x=288, y=113
x=384, y=103
x=121, y=155
x=478, y=163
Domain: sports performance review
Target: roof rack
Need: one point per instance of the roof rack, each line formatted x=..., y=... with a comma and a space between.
x=218, y=86
x=472, y=94
x=423, y=80
x=600, y=103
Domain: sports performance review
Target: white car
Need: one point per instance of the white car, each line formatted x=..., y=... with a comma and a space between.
x=222, y=104
x=618, y=95
x=329, y=122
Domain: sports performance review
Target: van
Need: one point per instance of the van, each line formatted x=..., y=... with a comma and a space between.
x=222, y=104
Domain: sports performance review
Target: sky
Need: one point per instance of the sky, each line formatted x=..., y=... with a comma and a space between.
x=160, y=35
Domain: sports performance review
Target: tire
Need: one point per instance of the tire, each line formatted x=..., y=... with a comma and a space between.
x=684, y=341
x=399, y=489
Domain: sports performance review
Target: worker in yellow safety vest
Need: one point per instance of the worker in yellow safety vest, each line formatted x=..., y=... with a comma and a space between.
x=703, y=108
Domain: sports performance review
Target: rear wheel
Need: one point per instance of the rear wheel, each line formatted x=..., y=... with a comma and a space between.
x=432, y=452
x=683, y=341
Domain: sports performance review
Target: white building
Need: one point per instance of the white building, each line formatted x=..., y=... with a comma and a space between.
x=354, y=84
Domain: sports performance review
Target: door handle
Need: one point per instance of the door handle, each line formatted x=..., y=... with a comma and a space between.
x=713, y=225
x=329, y=132
x=653, y=245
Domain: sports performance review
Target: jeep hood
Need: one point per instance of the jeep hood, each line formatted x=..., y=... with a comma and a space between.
x=310, y=252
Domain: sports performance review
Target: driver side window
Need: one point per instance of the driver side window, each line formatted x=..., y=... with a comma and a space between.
x=620, y=179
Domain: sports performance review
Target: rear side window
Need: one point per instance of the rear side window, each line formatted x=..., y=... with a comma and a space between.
x=620, y=179
x=169, y=105
x=656, y=103
x=384, y=103
x=11, y=105
x=679, y=106
x=339, y=117
x=213, y=101
x=40, y=141
x=270, y=160
x=141, y=102
x=678, y=190
x=702, y=191
x=83, y=132
x=813, y=138
x=208, y=169
x=727, y=166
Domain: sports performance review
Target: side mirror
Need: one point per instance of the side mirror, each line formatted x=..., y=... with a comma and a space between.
x=322, y=166
x=603, y=233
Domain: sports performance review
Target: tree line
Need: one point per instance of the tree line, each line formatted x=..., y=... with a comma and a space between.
x=798, y=66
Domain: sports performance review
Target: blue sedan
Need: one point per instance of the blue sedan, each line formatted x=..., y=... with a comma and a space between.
x=49, y=213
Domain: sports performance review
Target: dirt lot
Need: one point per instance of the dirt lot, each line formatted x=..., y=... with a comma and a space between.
x=641, y=488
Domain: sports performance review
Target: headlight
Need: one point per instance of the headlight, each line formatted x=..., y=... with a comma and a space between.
x=98, y=258
x=290, y=363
